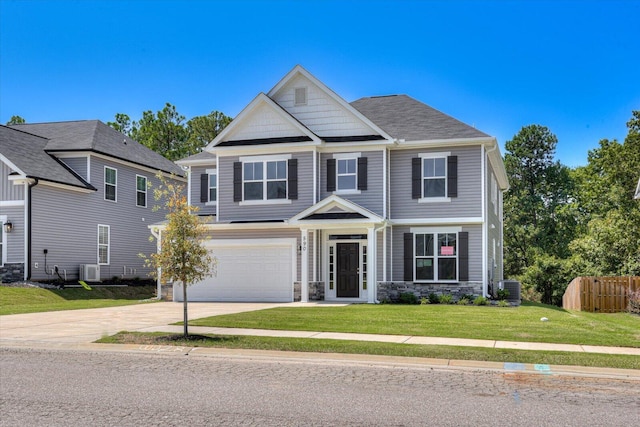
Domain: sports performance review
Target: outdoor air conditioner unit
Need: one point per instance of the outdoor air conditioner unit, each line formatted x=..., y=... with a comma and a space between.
x=90, y=272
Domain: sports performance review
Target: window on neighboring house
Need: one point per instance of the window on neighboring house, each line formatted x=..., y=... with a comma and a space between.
x=434, y=177
x=436, y=257
x=2, y=244
x=260, y=186
x=141, y=191
x=346, y=174
x=104, y=239
x=213, y=187
x=110, y=183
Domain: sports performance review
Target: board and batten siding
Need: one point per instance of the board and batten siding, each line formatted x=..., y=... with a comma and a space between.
x=78, y=164
x=475, y=251
x=9, y=191
x=372, y=197
x=234, y=211
x=468, y=203
x=65, y=222
x=14, y=241
x=322, y=114
x=194, y=177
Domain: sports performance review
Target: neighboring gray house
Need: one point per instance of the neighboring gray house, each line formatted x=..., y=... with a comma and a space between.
x=75, y=201
x=311, y=197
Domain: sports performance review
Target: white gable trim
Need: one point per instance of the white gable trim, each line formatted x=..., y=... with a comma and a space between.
x=11, y=165
x=298, y=69
x=257, y=101
x=333, y=201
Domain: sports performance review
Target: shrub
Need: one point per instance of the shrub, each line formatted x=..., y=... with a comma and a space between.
x=480, y=301
x=463, y=301
x=408, y=298
x=469, y=297
x=634, y=302
x=502, y=294
x=550, y=277
x=503, y=303
x=446, y=299
x=434, y=299
x=424, y=301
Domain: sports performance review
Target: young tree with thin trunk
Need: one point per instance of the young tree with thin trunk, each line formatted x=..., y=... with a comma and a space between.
x=182, y=256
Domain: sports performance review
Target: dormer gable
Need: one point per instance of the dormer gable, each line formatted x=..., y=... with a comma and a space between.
x=335, y=208
x=263, y=122
x=321, y=110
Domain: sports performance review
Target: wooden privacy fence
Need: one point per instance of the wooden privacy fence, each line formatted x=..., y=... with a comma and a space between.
x=600, y=294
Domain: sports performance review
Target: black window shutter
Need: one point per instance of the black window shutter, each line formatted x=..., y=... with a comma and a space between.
x=452, y=176
x=237, y=181
x=463, y=256
x=362, y=173
x=204, y=188
x=416, y=178
x=408, y=257
x=293, y=179
x=331, y=174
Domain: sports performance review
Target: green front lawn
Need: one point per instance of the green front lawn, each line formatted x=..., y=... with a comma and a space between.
x=33, y=300
x=493, y=323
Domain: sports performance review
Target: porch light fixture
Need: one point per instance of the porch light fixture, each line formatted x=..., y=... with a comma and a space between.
x=8, y=227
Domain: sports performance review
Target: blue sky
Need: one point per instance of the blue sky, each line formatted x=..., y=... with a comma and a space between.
x=573, y=66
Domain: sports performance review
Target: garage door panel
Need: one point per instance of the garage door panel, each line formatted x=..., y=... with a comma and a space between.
x=247, y=273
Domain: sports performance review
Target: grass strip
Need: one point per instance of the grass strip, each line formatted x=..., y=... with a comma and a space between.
x=376, y=348
x=491, y=323
x=34, y=300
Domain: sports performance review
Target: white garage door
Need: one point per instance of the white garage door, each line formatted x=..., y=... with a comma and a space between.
x=247, y=270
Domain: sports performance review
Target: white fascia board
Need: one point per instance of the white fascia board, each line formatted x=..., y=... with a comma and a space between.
x=497, y=164
x=64, y=186
x=266, y=149
x=437, y=143
x=345, y=147
x=437, y=221
x=257, y=101
x=11, y=165
x=337, y=224
x=139, y=167
x=196, y=162
x=298, y=69
x=235, y=226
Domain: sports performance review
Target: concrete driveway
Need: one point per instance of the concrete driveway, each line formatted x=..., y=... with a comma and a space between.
x=82, y=326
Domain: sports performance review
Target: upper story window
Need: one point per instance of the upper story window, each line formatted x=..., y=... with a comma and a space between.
x=347, y=173
x=141, y=191
x=209, y=187
x=110, y=183
x=434, y=177
x=213, y=187
x=269, y=179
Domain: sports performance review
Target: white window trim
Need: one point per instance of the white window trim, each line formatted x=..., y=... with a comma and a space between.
x=264, y=160
x=105, y=183
x=108, y=245
x=347, y=156
x=439, y=155
x=212, y=172
x=146, y=200
x=434, y=230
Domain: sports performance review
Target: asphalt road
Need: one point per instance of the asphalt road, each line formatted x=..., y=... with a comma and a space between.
x=68, y=388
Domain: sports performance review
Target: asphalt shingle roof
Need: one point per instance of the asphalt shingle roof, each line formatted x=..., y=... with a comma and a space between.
x=403, y=117
x=27, y=152
x=93, y=135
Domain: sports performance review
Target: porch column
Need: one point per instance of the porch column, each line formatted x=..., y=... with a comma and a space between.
x=304, y=258
x=372, y=259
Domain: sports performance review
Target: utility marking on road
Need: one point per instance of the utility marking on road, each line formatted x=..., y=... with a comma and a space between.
x=509, y=366
x=516, y=397
x=544, y=369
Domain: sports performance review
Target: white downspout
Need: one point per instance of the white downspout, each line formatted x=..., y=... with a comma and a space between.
x=485, y=216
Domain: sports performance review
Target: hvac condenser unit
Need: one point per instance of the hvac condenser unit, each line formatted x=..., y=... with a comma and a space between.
x=90, y=272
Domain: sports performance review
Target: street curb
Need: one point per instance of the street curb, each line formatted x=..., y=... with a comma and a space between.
x=343, y=359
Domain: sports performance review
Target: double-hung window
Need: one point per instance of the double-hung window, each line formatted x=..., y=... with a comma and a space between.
x=141, y=191
x=434, y=177
x=213, y=187
x=265, y=180
x=110, y=183
x=436, y=257
x=104, y=239
x=346, y=174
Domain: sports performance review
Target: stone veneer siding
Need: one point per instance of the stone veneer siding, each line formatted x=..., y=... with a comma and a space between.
x=390, y=291
x=316, y=291
x=10, y=273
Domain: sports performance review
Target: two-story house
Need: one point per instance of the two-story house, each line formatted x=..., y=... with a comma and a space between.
x=312, y=197
x=76, y=201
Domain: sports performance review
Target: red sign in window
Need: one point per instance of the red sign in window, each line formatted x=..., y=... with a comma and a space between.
x=446, y=250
